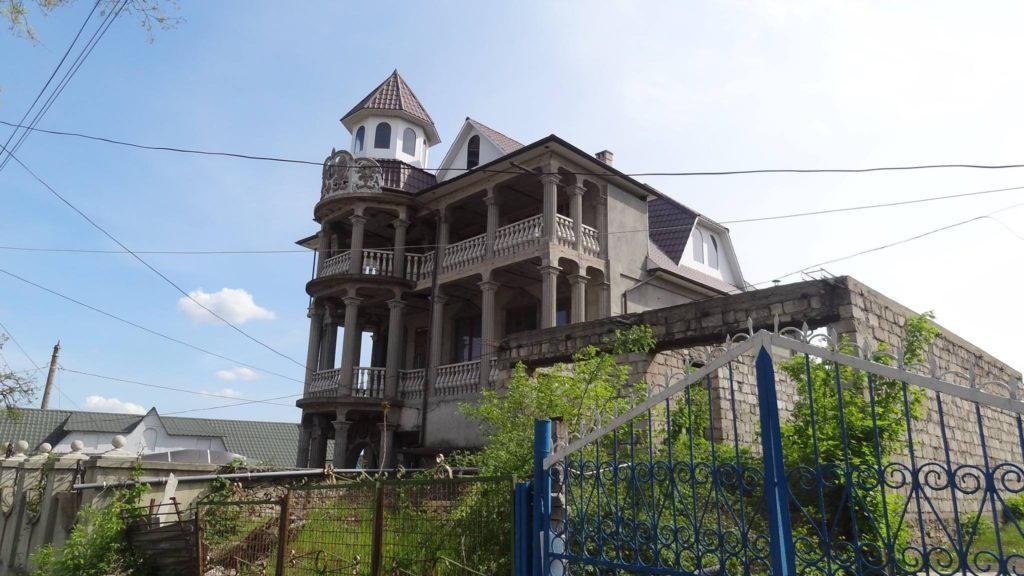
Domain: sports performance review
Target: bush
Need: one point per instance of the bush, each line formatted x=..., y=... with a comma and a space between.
x=1014, y=508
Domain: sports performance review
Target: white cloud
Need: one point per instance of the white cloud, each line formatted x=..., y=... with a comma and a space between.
x=101, y=404
x=240, y=373
x=229, y=392
x=233, y=304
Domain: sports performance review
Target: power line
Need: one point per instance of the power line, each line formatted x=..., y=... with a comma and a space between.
x=145, y=329
x=165, y=252
x=68, y=75
x=987, y=216
x=160, y=387
x=18, y=344
x=42, y=90
x=151, y=268
x=265, y=158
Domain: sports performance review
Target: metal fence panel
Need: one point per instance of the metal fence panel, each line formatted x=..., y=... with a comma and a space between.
x=241, y=537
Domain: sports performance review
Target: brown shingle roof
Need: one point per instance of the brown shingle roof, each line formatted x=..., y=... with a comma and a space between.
x=393, y=94
x=504, y=143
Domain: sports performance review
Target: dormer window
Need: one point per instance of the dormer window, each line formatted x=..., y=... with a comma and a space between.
x=473, y=152
x=360, y=138
x=712, y=251
x=382, y=138
x=409, y=142
x=698, y=246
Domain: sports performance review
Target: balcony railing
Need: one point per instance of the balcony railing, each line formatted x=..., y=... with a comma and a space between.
x=455, y=379
x=591, y=241
x=324, y=383
x=518, y=236
x=463, y=254
x=411, y=383
x=564, y=232
x=508, y=241
x=368, y=382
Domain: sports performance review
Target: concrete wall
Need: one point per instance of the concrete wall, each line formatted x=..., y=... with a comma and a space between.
x=627, y=243
x=37, y=505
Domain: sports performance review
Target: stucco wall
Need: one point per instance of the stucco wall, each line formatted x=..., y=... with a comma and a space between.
x=627, y=243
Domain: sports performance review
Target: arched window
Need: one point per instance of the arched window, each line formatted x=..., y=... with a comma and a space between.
x=360, y=138
x=698, y=246
x=473, y=152
x=382, y=138
x=712, y=252
x=409, y=142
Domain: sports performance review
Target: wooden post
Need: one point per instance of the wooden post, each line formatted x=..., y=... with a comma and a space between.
x=377, y=549
x=282, y=533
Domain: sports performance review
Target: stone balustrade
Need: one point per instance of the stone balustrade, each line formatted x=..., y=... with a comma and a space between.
x=368, y=382
x=464, y=254
x=591, y=242
x=565, y=234
x=411, y=383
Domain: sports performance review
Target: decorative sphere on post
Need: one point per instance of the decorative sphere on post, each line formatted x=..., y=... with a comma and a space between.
x=118, y=442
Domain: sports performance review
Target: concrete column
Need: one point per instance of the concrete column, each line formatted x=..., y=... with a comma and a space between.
x=436, y=338
x=601, y=215
x=305, y=437
x=549, y=295
x=387, y=451
x=358, y=227
x=350, y=346
x=604, y=302
x=578, y=282
x=325, y=249
x=550, y=182
x=488, y=333
x=401, y=226
x=318, y=444
x=442, y=241
x=316, y=326
x=491, y=200
x=576, y=211
x=329, y=339
x=340, y=442
x=396, y=323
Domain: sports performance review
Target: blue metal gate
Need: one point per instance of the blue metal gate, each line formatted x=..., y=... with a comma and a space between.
x=789, y=453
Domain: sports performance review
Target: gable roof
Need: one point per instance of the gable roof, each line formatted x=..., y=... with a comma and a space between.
x=269, y=442
x=394, y=95
x=504, y=143
x=658, y=260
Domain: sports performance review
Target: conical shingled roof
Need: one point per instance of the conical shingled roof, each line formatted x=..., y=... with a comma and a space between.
x=393, y=94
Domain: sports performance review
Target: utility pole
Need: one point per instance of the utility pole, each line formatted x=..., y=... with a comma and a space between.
x=50, y=375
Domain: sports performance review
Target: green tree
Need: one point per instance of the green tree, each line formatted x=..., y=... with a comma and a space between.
x=588, y=390
x=151, y=14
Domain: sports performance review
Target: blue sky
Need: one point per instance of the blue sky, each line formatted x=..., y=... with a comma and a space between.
x=665, y=86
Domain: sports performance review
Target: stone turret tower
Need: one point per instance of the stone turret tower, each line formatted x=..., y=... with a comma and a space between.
x=365, y=284
x=391, y=124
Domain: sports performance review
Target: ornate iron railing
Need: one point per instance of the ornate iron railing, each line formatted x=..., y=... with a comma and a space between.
x=368, y=382
x=411, y=383
x=518, y=236
x=461, y=378
x=591, y=241
x=565, y=233
x=324, y=383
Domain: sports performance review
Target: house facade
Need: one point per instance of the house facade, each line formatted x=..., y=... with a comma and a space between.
x=432, y=270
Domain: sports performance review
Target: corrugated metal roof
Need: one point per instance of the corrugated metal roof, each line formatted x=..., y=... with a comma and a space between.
x=504, y=143
x=101, y=422
x=393, y=94
x=273, y=443
x=32, y=425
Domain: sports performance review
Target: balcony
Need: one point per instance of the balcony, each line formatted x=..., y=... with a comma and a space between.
x=367, y=382
x=509, y=241
x=462, y=378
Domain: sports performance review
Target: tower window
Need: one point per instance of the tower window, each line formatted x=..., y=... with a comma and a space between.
x=698, y=246
x=409, y=142
x=712, y=252
x=360, y=138
x=382, y=138
x=473, y=152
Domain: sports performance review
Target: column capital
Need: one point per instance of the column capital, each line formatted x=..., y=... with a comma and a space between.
x=575, y=189
x=549, y=178
x=352, y=301
x=549, y=269
x=357, y=219
x=400, y=223
x=315, y=309
x=440, y=298
x=491, y=197
x=396, y=304
x=488, y=285
x=342, y=425
x=578, y=279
